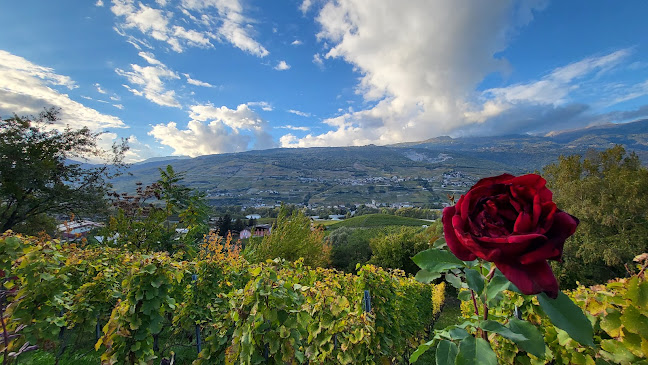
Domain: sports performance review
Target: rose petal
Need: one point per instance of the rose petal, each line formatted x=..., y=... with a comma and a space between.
x=512, y=247
x=563, y=227
x=531, y=279
x=523, y=223
x=493, y=180
x=534, y=181
x=454, y=245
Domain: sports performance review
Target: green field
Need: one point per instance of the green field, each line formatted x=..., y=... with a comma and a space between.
x=377, y=220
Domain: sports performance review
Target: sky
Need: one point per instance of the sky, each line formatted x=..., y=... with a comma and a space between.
x=198, y=77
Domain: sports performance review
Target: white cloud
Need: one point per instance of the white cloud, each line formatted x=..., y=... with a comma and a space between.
x=234, y=26
x=300, y=113
x=215, y=130
x=264, y=105
x=317, y=59
x=196, y=82
x=118, y=106
x=149, y=79
x=27, y=88
x=99, y=89
x=294, y=128
x=305, y=5
x=137, y=150
x=282, y=66
x=223, y=20
x=115, y=98
x=99, y=3
x=419, y=62
x=157, y=24
x=297, y=42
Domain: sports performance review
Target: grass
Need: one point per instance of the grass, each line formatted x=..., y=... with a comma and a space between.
x=378, y=220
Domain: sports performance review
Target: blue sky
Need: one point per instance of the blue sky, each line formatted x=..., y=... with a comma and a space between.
x=195, y=77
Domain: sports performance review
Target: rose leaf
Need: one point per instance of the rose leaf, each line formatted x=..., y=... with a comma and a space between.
x=435, y=261
x=567, y=316
x=534, y=342
x=475, y=280
x=446, y=353
x=474, y=351
x=454, y=280
x=426, y=277
x=495, y=286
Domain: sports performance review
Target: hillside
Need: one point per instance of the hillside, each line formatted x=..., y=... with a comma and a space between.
x=408, y=174
x=378, y=220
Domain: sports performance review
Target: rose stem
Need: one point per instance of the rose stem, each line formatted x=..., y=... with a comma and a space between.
x=472, y=294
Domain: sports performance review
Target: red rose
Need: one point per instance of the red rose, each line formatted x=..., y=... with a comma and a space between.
x=512, y=222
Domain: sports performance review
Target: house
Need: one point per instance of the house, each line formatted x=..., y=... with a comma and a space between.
x=246, y=233
x=262, y=230
x=75, y=229
x=253, y=216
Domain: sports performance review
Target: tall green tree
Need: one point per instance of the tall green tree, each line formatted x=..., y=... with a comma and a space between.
x=608, y=192
x=396, y=246
x=39, y=175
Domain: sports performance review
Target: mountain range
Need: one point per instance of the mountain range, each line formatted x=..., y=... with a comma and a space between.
x=416, y=173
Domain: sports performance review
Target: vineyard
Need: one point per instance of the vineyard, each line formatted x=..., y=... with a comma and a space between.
x=139, y=306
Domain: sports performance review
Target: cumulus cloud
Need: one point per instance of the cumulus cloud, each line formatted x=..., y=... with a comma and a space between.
x=214, y=130
x=420, y=64
x=300, y=113
x=297, y=42
x=27, y=88
x=148, y=81
x=196, y=82
x=282, y=66
x=223, y=20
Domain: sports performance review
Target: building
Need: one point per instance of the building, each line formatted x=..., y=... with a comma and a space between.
x=76, y=229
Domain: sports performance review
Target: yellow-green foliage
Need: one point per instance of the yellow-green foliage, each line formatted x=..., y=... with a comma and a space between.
x=285, y=311
x=617, y=310
x=438, y=298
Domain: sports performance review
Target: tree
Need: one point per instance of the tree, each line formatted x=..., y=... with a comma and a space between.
x=143, y=220
x=350, y=246
x=607, y=191
x=395, y=248
x=290, y=239
x=38, y=174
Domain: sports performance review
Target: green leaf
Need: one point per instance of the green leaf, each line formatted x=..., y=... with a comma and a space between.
x=567, y=316
x=453, y=279
x=638, y=292
x=495, y=286
x=534, y=342
x=475, y=280
x=426, y=277
x=458, y=333
x=446, y=353
x=500, y=329
x=475, y=351
x=435, y=261
x=420, y=351
x=440, y=243
x=464, y=296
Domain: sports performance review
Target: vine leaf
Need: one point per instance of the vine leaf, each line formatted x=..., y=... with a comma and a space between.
x=567, y=316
